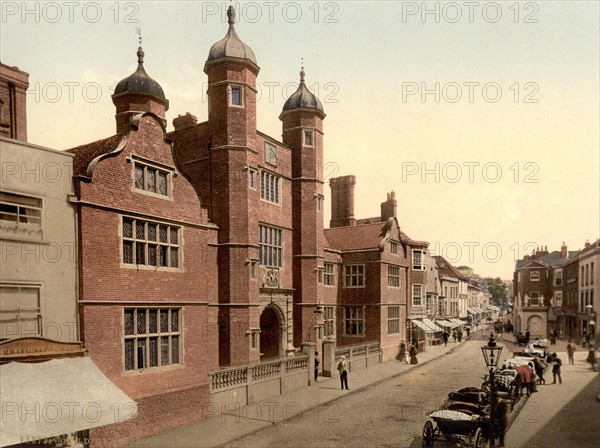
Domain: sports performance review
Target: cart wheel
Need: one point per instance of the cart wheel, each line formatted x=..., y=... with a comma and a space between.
x=428, y=435
x=478, y=439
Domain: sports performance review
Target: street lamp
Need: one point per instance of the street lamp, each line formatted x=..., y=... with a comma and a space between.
x=491, y=354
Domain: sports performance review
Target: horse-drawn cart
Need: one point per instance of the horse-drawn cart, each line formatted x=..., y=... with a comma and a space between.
x=457, y=428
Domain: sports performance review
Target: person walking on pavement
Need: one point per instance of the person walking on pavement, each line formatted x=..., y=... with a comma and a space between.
x=571, y=351
x=413, y=353
x=454, y=335
x=343, y=369
x=556, y=364
x=402, y=353
x=539, y=366
x=446, y=336
x=317, y=362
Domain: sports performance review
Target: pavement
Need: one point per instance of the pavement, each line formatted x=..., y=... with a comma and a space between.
x=230, y=424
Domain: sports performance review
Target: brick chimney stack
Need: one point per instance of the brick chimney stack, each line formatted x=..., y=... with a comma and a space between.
x=563, y=251
x=587, y=243
x=388, y=208
x=342, y=201
x=185, y=121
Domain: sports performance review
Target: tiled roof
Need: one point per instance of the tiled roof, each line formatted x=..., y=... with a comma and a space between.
x=84, y=154
x=551, y=259
x=446, y=269
x=367, y=236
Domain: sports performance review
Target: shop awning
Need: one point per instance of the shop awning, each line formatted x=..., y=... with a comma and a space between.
x=446, y=323
x=422, y=326
x=433, y=326
x=474, y=310
x=61, y=396
x=458, y=322
x=493, y=308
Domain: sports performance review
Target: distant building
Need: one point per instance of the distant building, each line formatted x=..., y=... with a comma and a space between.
x=538, y=283
x=13, y=106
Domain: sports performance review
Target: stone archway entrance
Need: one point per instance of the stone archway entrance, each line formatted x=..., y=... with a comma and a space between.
x=270, y=334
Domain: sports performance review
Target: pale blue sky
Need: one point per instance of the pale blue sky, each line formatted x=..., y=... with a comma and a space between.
x=362, y=57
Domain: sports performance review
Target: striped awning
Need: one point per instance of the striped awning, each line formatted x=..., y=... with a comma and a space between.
x=425, y=327
x=458, y=322
x=433, y=326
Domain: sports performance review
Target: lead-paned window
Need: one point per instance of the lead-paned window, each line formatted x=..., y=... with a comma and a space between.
x=270, y=246
x=329, y=274
x=269, y=187
x=329, y=321
x=394, y=276
x=393, y=319
x=354, y=276
x=354, y=321
x=152, y=179
x=150, y=243
x=152, y=337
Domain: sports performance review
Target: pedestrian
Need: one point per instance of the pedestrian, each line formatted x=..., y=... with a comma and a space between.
x=413, y=353
x=571, y=351
x=591, y=357
x=402, y=353
x=468, y=329
x=527, y=337
x=459, y=335
x=454, y=335
x=343, y=369
x=556, y=363
x=501, y=419
x=539, y=366
x=553, y=337
x=317, y=362
x=446, y=336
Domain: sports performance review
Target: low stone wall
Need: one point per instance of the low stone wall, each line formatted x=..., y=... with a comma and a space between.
x=253, y=383
x=359, y=356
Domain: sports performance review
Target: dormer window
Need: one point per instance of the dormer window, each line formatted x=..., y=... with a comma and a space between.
x=236, y=96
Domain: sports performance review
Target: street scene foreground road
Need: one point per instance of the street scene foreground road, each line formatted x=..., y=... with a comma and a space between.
x=391, y=412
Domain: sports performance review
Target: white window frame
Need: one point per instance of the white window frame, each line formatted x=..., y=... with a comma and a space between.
x=354, y=322
x=22, y=315
x=414, y=288
x=22, y=212
x=421, y=265
x=558, y=277
x=146, y=335
x=534, y=276
x=354, y=276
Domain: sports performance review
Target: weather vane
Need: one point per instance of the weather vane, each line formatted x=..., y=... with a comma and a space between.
x=138, y=31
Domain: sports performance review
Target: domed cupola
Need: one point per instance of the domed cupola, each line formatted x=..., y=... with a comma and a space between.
x=231, y=46
x=138, y=93
x=140, y=83
x=303, y=99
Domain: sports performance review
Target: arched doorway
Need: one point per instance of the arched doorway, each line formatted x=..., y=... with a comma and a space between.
x=270, y=334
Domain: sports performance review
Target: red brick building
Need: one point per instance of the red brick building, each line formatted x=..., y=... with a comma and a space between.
x=147, y=266
x=13, y=96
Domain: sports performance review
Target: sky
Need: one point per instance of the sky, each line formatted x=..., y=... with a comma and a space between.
x=483, y=117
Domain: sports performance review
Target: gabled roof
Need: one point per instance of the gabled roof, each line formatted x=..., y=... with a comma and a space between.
x=552, y=259
x=367, y=236
x=446, y=269
x=84, y=154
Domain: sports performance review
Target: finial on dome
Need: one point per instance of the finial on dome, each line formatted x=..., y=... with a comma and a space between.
x=302, y=71
x=231, y=16
x=140, y=55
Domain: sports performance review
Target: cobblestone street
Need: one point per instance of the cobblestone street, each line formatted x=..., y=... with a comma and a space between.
x=391, y=413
